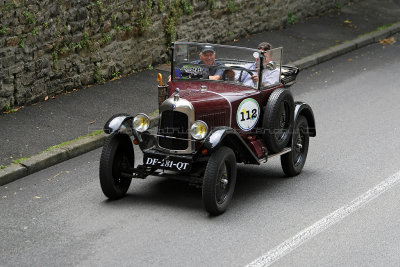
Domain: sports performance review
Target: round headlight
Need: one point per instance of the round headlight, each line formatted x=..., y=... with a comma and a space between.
x=141, y=122
x=199, y=130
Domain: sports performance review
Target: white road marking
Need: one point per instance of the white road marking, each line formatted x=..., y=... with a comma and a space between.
x=292, y=243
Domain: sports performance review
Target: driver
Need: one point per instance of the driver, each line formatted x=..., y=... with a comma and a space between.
x=207, y=57
x=269, y=77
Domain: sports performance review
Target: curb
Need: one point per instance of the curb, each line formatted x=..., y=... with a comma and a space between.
x=344, y=48
x=46, y=159
x=49, y=158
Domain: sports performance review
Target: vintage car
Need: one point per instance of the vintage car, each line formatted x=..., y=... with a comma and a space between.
x=232, y=107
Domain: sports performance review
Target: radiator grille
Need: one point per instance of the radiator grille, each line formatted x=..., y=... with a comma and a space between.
x=173, y=124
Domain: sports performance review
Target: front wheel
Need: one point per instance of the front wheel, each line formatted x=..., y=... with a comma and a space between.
x=117, y=158
x=219, y=181
x=293, y=162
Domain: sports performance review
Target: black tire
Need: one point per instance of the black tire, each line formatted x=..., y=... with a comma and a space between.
x=219, y=181
x=116, y=158
x=278, y=120
x=293, y=162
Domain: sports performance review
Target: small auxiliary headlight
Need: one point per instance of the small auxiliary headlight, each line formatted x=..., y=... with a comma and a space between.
x=199, y=130
x=141, y=122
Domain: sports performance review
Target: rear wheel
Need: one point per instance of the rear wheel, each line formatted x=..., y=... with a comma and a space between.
x=117, y=158
x=219, y=181
x=293, y=162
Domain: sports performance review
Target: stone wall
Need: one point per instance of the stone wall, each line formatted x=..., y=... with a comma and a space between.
x=51, y=46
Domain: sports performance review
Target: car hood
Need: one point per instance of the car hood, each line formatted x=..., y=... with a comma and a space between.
x=213, y=101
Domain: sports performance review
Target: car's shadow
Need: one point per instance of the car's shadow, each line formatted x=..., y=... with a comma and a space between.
x=252, y=182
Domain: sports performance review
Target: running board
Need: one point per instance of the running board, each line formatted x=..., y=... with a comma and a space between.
x=284, y=151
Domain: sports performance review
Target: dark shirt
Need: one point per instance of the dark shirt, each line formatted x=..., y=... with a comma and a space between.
x=213, y=70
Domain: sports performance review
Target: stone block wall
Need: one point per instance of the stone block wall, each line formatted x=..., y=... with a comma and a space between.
x=52, y=46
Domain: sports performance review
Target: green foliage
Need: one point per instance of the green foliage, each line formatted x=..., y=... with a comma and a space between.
x=232, y=8
x=100, y=6
x=34, y=31
x=187, y=7
x=339, y=6
x=17, y=161
x=30, y=18
x=170, y=29
x=143, y=20
x=86, y=42
x=160, y=5
x=291, y=18
x=3, y=30
x=117, y=28
x=384, y=27
x=259, y=10
x=212, y=4
x=175, y=11
x=54, y=55
x=8, y=6
x=6, y=108
x=127, y=28
x=98, y=75
x=2, y=167
x=116, y=74
x=150, y=67
x=106, y=38
x=21, y=42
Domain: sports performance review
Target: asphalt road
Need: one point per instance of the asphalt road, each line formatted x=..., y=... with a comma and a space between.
x=60, y=217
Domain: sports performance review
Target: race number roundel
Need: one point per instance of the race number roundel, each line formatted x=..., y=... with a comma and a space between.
x=247, y=114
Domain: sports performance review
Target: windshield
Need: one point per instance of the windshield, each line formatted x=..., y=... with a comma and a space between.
x=226, y=63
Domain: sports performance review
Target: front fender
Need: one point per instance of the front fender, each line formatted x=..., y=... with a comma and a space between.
x=304, y=109
x=225, y=136
x=118, y=122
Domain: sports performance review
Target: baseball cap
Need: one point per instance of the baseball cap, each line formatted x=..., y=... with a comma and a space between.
x=207, y=48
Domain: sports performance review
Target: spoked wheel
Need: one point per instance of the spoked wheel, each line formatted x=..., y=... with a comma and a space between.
x=117, y=158
x=278, y=120
x=293, y=162
x=219, y=181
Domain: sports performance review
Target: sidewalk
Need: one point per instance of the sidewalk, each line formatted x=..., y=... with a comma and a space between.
x=36, y=128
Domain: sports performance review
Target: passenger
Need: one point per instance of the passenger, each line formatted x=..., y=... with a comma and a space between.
x=269, y=77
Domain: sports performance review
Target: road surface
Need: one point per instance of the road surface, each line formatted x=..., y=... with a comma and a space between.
x=341, y=210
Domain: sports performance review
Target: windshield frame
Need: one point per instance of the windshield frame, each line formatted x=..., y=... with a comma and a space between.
x=186, y=53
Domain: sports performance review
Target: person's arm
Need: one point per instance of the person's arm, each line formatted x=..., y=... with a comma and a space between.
x=270, y=77
x=214, y=77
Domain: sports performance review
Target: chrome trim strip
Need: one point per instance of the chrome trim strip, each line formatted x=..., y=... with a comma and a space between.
x=230, y=106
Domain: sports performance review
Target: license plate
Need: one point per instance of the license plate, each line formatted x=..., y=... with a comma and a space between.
x=167, y=162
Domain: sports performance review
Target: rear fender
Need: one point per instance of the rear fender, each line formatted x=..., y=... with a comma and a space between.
x=225, y=136
x=304, y=109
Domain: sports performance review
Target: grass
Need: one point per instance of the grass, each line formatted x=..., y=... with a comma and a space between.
x=72, y=141
x=291, y=18
x=17, y=161
x=381, y=28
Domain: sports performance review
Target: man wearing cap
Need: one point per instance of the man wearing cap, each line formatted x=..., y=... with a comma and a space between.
x=269, y=77
x=207, y=57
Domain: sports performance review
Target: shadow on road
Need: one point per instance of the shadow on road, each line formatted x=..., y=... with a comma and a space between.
x=253, y=182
